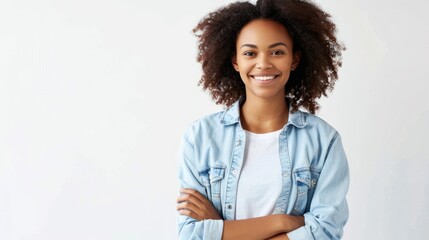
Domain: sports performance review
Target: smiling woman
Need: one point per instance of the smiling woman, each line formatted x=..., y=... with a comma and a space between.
x=313, y=36
x=264, y=60
x=262, y=168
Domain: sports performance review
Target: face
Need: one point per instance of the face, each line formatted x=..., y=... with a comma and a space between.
x=264, y=58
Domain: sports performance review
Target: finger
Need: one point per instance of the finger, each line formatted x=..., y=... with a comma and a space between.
x=202, y=210
x=189, y=213
x=191, y=197
x=193, y=193
x=188, y=205
x=188, y=197
x=190, y=210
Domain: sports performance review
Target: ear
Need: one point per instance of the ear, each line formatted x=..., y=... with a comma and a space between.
x=234, y=63
x=295, y=60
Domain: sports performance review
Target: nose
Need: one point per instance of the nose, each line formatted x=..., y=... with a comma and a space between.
x=263, y=62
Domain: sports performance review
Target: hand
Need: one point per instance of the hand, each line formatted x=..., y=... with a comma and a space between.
x=193, y=204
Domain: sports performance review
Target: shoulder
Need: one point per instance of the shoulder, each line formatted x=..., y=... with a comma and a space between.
x=318, y=137
x=206, y=124
x=316, y=124
x=208, y=121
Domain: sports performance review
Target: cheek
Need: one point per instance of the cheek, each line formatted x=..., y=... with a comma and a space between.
x=243, y=76
x=244, y=68
x=286, y=67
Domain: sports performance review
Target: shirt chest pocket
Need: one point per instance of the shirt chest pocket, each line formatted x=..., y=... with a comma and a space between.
x=305, y=183
x=212, y=179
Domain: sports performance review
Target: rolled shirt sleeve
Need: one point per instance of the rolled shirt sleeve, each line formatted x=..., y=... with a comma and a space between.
x=190, y=228
x=201, y=230
x=328, y=211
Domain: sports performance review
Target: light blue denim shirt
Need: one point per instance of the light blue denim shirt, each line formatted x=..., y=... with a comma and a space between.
x=315, y=174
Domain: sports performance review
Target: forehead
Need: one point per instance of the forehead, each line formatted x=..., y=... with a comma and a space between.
x=263, y=31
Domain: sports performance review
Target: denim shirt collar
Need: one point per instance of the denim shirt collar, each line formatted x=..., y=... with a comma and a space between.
x=232, y=116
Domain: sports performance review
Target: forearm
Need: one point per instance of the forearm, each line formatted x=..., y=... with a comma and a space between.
x=252, y=229
x=260, y=228
x=281, y=236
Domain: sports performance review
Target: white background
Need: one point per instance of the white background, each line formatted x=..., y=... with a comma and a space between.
x=94, y=96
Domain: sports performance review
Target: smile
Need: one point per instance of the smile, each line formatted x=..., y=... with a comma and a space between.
x=264, y=78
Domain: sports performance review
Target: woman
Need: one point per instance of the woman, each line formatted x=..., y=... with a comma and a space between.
x=262, y=168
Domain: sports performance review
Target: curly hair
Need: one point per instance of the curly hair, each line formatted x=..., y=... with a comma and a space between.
x=313, y=35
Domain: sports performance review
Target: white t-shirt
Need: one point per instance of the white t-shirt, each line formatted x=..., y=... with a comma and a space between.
x=260, y=180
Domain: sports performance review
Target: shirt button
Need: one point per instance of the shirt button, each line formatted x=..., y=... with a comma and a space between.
x=229, y=206
x=235, y=171
x=285, y=174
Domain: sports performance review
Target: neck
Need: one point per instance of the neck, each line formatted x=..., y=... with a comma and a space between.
x=262, y=116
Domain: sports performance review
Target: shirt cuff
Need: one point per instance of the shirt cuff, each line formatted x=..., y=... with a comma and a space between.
x=213, y=229
x=300, y=234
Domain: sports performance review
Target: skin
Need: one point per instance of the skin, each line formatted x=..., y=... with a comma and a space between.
x=193, y=204
x=264, y=50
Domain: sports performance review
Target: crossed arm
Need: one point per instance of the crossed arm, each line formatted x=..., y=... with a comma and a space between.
x=193, y=204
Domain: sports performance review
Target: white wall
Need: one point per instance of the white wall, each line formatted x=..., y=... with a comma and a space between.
x=94, y=96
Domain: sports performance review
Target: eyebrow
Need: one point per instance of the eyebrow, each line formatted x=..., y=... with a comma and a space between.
x=271, y=46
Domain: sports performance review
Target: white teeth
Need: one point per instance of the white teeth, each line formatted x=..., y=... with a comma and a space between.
x=264, y=78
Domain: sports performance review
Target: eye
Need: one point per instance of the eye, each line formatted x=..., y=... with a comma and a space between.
x=249, y=53
x=277, y=52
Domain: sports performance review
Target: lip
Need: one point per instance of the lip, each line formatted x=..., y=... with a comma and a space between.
x=263, y=78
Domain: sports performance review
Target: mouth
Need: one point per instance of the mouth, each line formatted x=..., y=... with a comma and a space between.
x=264, y=78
